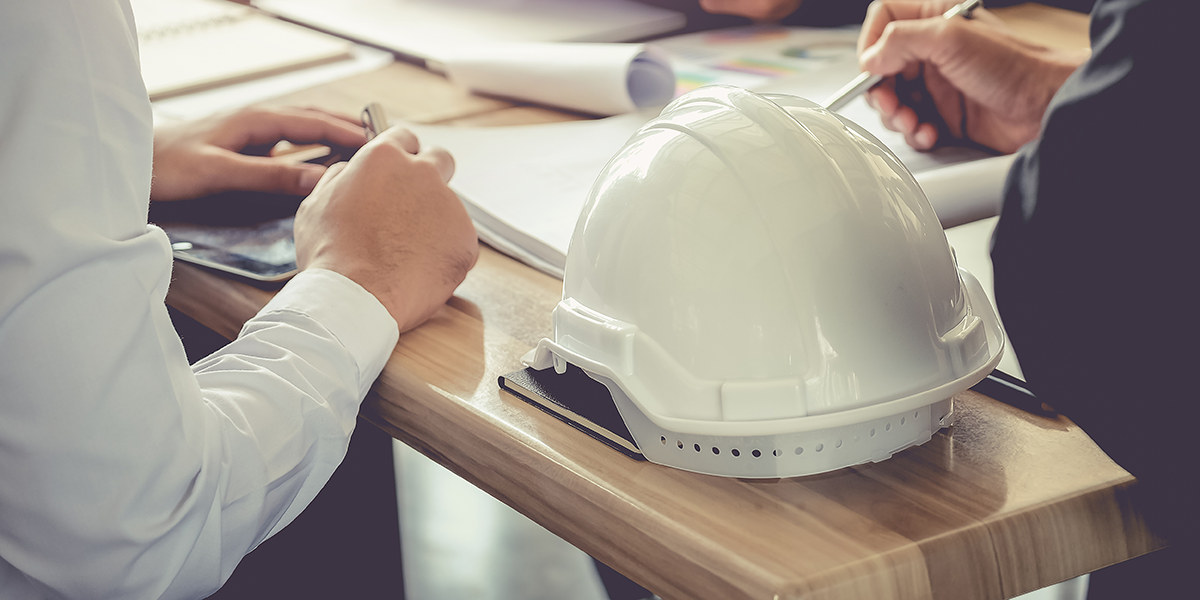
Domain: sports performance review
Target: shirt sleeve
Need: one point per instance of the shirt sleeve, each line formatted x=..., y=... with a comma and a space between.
x=126, y=473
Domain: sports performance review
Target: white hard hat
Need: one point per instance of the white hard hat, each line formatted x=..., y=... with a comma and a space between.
x=766, y=292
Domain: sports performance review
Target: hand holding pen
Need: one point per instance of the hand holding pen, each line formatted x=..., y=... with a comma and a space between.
x=958, y=81
x=387, y=220
x=867, y=80
x=375, y=123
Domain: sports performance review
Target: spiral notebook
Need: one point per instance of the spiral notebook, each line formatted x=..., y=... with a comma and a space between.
x=192, y=45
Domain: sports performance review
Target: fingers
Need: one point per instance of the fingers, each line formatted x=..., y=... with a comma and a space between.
x=351, y=119
x=945, y=103
x=330, y=174
x=924, y=137
x=258, y=126
x=406, y=139
x=902, y=118
x=408, y=142
x=442, y=160
x=212, y=155
x=903, y=44
x=882, y=12
x=894, y=115
x=263, y=174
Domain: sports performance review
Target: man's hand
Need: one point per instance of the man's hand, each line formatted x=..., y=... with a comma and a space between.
x=387, y=220
x=759, y=10
x=229, y=152
x=958, y=80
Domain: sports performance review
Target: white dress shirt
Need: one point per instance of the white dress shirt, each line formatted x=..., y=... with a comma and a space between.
x=125, y=473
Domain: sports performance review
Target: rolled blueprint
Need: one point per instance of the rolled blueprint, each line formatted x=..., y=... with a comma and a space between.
x=601, y=79
x=968, y=191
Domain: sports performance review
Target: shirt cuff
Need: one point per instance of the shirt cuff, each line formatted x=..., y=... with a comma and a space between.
x=347, y=310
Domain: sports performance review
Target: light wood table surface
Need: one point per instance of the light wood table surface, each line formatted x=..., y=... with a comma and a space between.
x=1002, y=503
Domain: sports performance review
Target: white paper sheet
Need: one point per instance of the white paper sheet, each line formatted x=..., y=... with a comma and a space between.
x=524, y=186
x=601, y=79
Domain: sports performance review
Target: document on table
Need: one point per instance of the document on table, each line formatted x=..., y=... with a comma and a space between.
x=429, y=29
x=525, y=186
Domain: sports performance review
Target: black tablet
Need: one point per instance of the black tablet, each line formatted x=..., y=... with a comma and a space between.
x=262, y=252
x=248, y=234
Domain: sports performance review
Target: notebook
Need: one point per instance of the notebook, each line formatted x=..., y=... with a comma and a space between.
x=576, y=399
x=192, y=45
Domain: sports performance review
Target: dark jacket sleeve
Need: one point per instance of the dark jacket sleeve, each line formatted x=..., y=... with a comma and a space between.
x=1095, y=253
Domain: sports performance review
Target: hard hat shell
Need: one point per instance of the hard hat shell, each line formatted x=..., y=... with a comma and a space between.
x=755, y=277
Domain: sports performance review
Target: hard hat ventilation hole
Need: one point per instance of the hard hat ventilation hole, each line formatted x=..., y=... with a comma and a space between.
x=679, y=444
x=820, y=447
x=716, y=450
x=663, y=439
x=799, y=450
x=735, y=453
x=696, y=446
x=756, y=453
x=872, y=432
x=837, y=444
x=777, y=452
x=888, y=427
x=902, y=420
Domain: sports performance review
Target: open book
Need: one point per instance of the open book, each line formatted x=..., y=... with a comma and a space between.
x=192, y=45
x=525, y=186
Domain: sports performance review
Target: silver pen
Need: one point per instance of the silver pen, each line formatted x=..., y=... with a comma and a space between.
x=866, y=81
x=373, y=120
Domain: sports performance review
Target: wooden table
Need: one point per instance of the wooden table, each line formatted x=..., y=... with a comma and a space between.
x=1002, y=503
